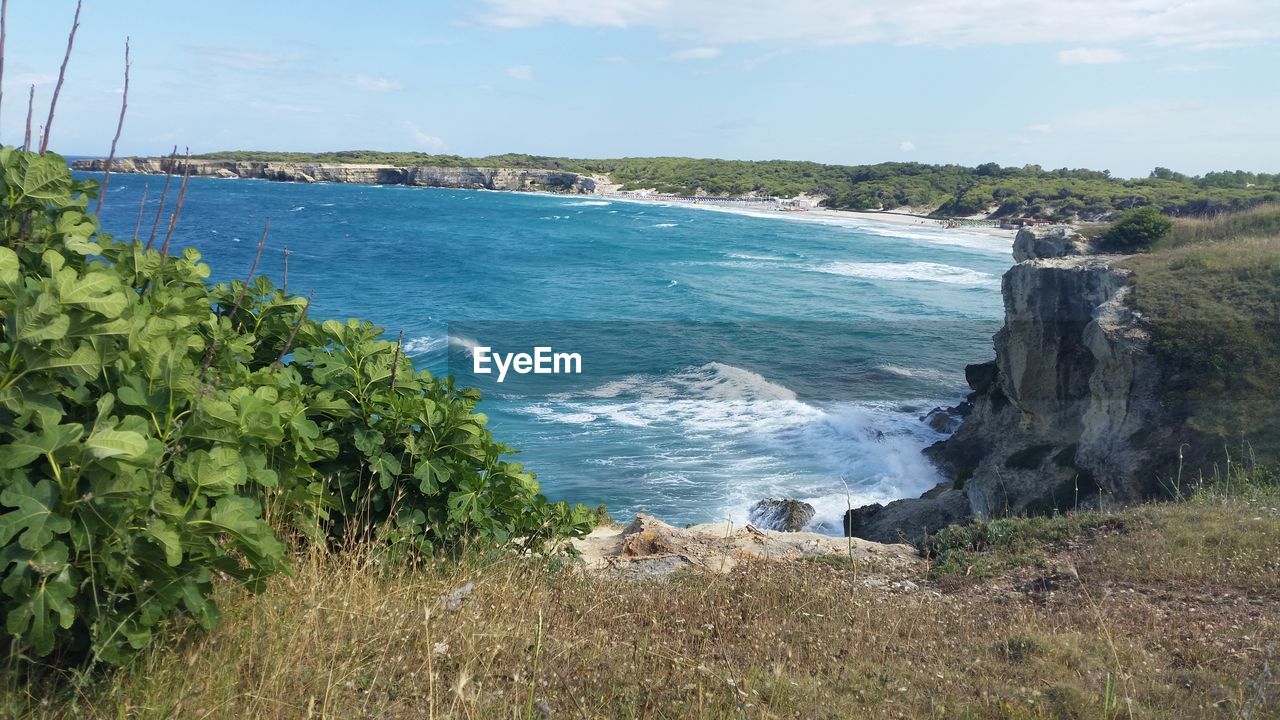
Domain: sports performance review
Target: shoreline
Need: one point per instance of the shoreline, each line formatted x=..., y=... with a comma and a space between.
x=764, y=209
x=749, y=207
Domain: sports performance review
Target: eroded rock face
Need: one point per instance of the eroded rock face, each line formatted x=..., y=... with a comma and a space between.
x=1055, y=242
x=781, y=515
x=419, y=175
x=1067, y=412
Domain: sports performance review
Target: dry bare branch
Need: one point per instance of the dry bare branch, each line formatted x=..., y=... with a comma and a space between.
x=164, y=195
x=124, y=105
x=177, y=208
x=62, y=74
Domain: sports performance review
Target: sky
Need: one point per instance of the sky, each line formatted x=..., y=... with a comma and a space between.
x=1124, y=85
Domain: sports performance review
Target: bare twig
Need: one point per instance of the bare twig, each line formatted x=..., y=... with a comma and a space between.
x=62, y=74
x=142, y=205
x=284, y=287
x=177, y=208
x=294, y=332
x=395, y=360
x=235, y=307
x=164, y=195
x=31, y=101
x=124, y=105
x=4, y=25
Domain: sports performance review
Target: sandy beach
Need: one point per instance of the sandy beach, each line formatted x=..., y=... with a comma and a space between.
x=767, y=209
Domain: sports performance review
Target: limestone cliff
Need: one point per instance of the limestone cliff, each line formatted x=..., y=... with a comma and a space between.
x=419, y=175
x=1067, y=415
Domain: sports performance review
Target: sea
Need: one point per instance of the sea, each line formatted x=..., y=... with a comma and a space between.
x=724, y=357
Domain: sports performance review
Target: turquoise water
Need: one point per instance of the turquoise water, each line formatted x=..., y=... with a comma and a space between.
x=726, y=357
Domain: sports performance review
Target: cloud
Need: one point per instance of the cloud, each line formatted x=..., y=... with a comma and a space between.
x=29, y=79
x=1193, y=67
x=244, y=59
x=1091, y=56
x=520, y=72
x=907, y=146
x=372, y=83
x=923, y=22
x=616, y=59
x=1040, y=128
x=420, y=138
x=697, y=53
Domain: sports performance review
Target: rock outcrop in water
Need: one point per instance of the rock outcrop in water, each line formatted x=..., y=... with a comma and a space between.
x=475, y=178
x=1067, y=415
x=781, y=515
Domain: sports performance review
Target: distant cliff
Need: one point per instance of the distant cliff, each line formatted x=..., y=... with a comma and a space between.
x=476, y=178
x=1068, y=414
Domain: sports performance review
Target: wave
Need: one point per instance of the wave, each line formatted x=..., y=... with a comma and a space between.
x=425, y=345
x=913, y=271
x=666, y=225
x=929, y=374
x=748, y=256
x=740, y=437
x=587, y=203
x=299, y=208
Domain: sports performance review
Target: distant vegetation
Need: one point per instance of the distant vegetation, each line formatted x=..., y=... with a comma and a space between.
x=945, y=190
x=1211, y=289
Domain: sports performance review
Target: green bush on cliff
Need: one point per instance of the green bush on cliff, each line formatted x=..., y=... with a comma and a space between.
x=1137, y=229
x=154, y=433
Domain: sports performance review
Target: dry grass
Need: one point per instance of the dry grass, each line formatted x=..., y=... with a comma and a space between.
x=1170, y=611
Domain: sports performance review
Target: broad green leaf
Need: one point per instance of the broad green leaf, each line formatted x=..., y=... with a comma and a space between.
x=34, y=520
x=168, y=538
x=47, y=608
x=116, y=443
x=45, y=178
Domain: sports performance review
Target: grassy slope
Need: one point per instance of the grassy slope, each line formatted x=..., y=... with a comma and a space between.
x=1212, y=293
x=1157, y=611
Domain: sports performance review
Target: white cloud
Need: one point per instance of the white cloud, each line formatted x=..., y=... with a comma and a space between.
x=373, y=83
x=697, y=53
x=616, y=59
x=1040, y=128
x=420, y=138
x=924, y=22
x=29, y=79
x=243, y=59
x=520, y=72
x=1091, y=56
x=907, y=146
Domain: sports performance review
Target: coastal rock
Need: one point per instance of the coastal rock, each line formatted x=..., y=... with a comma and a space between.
x=909, y=520
x=1067, y=415
x=941, y=420
x=781, y=515
x=648, y=548
x=1056, y=242
x=479, y=178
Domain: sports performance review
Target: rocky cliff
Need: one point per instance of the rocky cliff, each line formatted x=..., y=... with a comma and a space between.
x=1066, y=416
x=420, y=175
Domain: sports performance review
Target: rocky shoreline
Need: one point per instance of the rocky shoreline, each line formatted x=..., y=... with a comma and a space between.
x=472, y=178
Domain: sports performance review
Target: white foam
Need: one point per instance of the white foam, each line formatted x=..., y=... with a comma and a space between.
x=758, y=437
x=666, y=225
x=913, y=271
x=929, y=374
x=425, y=345
x=299, y=208
x=748, y=256
x=587, y=203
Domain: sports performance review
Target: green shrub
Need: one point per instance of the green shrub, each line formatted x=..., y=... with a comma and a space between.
x=146, y=421
x=1138, y=229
